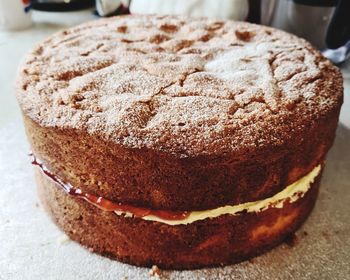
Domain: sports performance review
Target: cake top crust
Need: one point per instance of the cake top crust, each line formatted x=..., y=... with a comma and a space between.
x=179, y=85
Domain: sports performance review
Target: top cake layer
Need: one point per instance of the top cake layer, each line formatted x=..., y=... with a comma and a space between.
x=184, y=86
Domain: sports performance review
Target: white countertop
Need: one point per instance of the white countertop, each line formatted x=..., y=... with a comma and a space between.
x=31, y=247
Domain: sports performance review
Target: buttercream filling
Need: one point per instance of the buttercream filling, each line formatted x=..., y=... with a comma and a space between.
x=290, y=194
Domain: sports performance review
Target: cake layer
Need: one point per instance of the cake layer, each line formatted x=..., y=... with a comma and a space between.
x=223, y=240
x=152, y=111
x=182, y=86
x=151, y=179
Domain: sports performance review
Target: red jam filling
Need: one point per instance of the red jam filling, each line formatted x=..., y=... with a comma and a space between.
x=106, y=204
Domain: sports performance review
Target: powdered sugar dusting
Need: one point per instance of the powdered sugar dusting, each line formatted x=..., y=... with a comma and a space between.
x=185, y=86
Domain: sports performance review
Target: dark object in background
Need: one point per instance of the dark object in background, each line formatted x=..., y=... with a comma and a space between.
x=339, y=28
x=254, y=14
x=61, y=6
x=325, y=23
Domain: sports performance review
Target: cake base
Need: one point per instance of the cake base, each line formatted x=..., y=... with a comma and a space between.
x=223, y=240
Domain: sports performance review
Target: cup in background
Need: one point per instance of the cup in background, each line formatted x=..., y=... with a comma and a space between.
x=15, y=14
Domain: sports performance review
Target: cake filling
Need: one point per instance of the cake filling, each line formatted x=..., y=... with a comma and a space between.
x=290, y=194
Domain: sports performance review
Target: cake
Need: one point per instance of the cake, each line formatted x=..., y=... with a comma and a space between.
x=178, y=142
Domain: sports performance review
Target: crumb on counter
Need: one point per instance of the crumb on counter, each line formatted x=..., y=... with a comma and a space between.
x=63, y=239
x=155, y=272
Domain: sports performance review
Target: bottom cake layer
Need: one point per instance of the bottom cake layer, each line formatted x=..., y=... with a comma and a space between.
x=226, y=239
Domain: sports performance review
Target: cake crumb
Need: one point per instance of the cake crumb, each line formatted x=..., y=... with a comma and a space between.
x=291, y=240
x=63, y=239
x=155, y=272
x=326, y=236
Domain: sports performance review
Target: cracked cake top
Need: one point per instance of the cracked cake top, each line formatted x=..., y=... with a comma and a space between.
x=183, y=86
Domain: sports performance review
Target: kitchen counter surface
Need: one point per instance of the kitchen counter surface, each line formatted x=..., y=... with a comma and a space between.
x=33, y=248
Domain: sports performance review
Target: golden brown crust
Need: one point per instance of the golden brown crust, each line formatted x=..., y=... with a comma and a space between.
x=223, y=240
